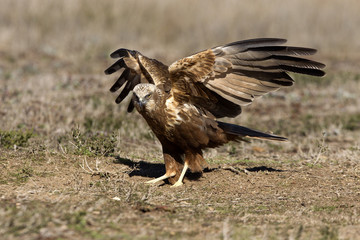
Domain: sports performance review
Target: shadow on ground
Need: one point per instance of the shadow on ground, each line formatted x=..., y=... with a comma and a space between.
x=264, y=169
x=154, y=170
x=143, y=169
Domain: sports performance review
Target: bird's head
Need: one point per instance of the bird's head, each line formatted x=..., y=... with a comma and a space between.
x=146, y=97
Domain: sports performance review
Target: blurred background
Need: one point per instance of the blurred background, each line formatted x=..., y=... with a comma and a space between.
x=81, y=30
x=53, y=53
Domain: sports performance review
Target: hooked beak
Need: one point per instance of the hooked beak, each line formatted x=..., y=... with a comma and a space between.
x=142, y=102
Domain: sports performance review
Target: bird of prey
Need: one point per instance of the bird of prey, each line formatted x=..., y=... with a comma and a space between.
x=182, y=102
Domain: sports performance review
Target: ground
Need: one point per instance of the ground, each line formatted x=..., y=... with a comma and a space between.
x=74, y=164
x=51, y=196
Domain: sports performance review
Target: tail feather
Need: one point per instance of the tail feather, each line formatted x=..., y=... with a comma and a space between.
x=247, y=132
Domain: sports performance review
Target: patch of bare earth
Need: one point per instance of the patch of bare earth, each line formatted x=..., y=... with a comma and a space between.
x=49, y=196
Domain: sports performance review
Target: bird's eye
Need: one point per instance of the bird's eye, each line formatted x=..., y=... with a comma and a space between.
x=148, y=96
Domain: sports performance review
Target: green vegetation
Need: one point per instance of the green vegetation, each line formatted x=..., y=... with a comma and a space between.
x=13, y=139
x=352, y=122
x=88, y=143
x=324, y=208
x=329, y=233
x=23, y=174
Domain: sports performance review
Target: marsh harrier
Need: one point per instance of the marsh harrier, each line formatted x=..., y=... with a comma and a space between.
x=182, y=102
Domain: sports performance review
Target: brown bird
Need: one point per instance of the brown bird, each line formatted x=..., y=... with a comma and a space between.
x=182, y=102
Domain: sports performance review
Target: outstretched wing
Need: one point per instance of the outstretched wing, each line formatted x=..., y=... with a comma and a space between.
x=136, y=69
x=224, y=78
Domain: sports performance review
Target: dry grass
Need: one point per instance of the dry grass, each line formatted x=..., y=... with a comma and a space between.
x=56, y=115
x=79, y=31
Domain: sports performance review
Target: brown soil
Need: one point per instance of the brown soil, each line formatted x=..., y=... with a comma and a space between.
x=285, y=198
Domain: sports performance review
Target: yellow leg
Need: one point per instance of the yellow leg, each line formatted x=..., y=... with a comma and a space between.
x=179, y=182
x=163, y=177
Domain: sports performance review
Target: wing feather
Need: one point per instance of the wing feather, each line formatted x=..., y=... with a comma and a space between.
x=136, y=69
x=128, y=87
x=116, y=66
x=219, y=80
x=239, y=72
x=121, y=80
x=130, y=106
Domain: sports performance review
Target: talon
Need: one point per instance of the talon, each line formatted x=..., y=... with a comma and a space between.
x=152, y=181
x=177, y=184
x=163, y=177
